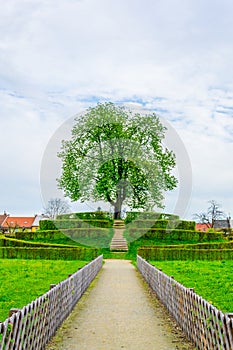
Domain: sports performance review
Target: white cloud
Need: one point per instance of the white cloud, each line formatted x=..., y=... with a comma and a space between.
x=59, y=57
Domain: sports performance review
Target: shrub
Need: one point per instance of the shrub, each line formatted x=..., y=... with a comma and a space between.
x=164, y=224
x=57, y=234
x=131, y=216
x=97, y=215
x=176, y=234
x=152, y=253
x=47, y=225
x=78, y=223
x=85, y=254
x=12, y=242
x=216, y=245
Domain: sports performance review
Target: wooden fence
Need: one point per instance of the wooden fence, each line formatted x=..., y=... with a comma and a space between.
x=32, y=327
x=206, y=326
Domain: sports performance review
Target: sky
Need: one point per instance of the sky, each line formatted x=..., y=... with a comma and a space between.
x=172, y=57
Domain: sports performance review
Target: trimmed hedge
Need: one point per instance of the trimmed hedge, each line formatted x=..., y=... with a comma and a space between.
x=72, y=233
x=96, y=215
x=47, y=225
x=152, y=253
x=177, y=234
x=131, y=216
x=12, y=242
x=85, y=254
x=164, y=224
x=73, y=223
x=216, y=245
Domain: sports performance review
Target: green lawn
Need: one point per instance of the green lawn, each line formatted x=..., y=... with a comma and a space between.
x=22, y=281
x=213, y=280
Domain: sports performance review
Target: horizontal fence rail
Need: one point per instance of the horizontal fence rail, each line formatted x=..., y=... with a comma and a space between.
x=206, y=326
x=32, y=327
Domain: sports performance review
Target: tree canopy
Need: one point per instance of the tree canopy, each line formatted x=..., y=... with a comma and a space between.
x=117, y=156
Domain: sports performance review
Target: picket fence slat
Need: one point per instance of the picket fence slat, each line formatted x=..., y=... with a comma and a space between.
x=33, y=326
x=206, y=326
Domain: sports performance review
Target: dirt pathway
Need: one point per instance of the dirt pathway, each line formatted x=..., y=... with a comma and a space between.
x=118, y=313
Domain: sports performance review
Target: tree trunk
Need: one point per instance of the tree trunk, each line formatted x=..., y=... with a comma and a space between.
x=117, y=214
x=117, y=209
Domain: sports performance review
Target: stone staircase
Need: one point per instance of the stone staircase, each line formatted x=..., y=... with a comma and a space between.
x=118, y=242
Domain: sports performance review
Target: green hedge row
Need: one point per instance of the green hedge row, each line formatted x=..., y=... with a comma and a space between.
x=85, y=254
x=47, y=225
x=177, y=234
x=164, y=224
x=151, y=253
x=12, y=242
x=72, y=233
x=90, y=233
x=217, y=245
x=96, y=215
x=131, y=216
x=73, y=223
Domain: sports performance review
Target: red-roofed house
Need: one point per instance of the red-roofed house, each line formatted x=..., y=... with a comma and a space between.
x=14, y=223
x=2, y=219
x=202, y=227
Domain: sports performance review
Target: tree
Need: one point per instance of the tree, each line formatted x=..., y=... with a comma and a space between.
x=213, y=213
x=117, y=156
x=55, y=207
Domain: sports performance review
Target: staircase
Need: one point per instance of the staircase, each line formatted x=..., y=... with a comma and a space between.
x=118, y=242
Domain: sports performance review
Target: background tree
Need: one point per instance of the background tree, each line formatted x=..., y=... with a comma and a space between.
x=56, y=206
x=117, y=156
x=213, y=213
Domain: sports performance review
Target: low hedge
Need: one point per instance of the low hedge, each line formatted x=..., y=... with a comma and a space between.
x=177, y=234
x=85, y=254
x=131, y=216
x=75, y=223
x=12, y=242
x=96, y=215
x=164, y=224
x=47, y=225
x=72, y=233
x=72, y=223
x=151, y=253
x=216, y=245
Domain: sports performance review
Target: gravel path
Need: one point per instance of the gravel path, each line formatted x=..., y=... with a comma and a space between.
x=119, y=312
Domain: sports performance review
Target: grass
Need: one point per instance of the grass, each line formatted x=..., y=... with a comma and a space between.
x=22, y=281
x=92, y=242
x=212, y=280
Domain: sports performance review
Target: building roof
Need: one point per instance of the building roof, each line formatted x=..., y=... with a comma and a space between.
x=221, y=224
x=13, y=221
x=2, y=218
x=202, y=226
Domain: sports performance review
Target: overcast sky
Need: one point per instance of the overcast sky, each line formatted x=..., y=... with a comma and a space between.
x=174, y=57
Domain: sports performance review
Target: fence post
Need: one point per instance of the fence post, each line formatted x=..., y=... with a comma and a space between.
x=13, y=311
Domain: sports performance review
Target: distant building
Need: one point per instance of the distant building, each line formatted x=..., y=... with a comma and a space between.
x=2, y=219
x=202, y=227
x=17, y=223
x=223, y=224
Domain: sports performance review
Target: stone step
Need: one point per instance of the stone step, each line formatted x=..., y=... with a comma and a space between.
x=118, y=224
x=118, y=242
x=119, y=248
x=119, y=239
